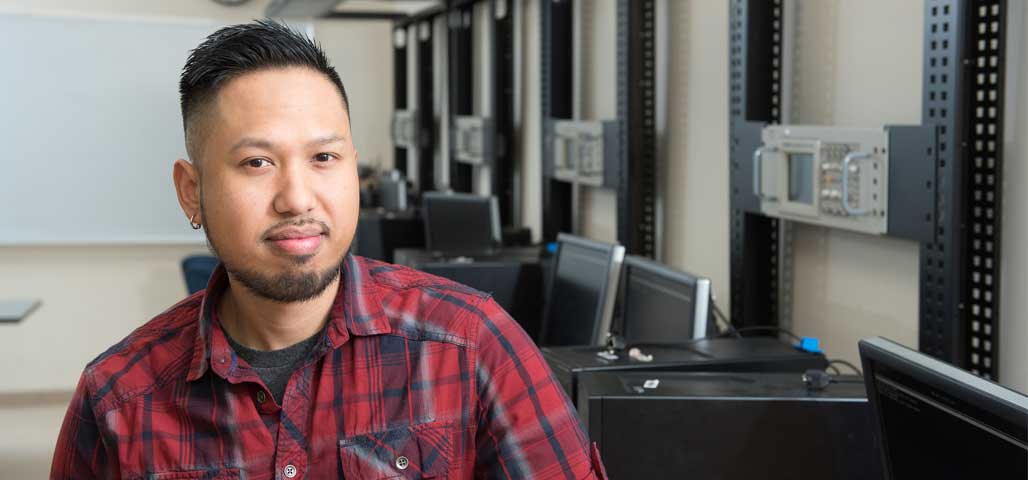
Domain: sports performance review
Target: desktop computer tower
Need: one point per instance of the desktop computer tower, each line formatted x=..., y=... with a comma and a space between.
x=750, y=354
x=730, y=426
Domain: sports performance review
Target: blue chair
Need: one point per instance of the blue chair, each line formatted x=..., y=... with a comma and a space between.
x=197, y=269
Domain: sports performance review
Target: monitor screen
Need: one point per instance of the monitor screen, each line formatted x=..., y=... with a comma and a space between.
x=936, y=421
x=578, y=292
x=457, y=223
x=660, y=304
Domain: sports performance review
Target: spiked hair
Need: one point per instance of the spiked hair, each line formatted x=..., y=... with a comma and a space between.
x=236, y=50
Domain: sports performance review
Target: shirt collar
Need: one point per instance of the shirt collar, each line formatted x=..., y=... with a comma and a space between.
x=357, y=310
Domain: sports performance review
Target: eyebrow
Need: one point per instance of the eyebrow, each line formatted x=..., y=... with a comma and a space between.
x=267, y=145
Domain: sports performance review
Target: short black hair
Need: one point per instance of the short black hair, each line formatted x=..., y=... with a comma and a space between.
x=239, y=49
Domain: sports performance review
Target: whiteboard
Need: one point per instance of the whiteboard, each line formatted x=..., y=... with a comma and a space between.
x=90, y=127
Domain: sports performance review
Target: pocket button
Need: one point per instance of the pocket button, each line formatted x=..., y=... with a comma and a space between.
x=402, y=462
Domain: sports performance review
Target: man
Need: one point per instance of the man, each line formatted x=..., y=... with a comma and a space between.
x=300, y=360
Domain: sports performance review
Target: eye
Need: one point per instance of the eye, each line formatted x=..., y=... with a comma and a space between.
x=257, y=162
x=324, y=157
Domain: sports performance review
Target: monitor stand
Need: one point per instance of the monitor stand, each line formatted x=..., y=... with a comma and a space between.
x=615, y=347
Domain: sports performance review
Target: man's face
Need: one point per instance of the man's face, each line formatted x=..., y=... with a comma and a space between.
x=279, y=192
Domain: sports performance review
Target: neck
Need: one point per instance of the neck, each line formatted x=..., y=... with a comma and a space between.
x=263, y=324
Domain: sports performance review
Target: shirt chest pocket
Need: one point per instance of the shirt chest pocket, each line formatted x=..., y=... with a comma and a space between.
x=410, y=452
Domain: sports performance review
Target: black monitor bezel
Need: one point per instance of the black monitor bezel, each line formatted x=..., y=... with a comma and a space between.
x=610, y=252
x=983, y=394
x=428, y=198
x=692, y=282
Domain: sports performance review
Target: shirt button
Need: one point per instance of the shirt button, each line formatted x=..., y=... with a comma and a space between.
x=261, y=397
x=402, y=462
x=290, y=471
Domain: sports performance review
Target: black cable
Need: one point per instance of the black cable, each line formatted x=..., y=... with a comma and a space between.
x=832, y=363
x=768, y=328
x=719, y=315
x=834, y=369
x=732, y=331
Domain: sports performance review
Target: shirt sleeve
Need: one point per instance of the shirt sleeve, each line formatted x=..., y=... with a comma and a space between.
x=80, y=452
x=527, y=425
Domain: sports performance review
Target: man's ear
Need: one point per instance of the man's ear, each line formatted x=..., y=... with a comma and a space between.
x=187, y=186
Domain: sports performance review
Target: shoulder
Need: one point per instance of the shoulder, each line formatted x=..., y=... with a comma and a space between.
x=157, y=352
x=427, y=307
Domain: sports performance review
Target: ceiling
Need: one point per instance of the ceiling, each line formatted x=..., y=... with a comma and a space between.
x=321, y=8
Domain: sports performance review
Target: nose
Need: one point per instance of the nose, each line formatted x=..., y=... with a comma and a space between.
x=294, y=196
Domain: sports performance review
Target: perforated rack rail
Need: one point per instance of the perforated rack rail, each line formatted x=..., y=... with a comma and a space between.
x=963, y=97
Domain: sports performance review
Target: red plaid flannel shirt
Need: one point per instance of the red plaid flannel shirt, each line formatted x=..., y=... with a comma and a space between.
x=415, y=377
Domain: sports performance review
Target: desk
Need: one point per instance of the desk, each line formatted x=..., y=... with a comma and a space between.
x=514, y=277
x=750, y=354
x=14, y=311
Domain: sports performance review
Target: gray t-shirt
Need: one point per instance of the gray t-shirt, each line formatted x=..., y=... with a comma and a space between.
x=275, y=366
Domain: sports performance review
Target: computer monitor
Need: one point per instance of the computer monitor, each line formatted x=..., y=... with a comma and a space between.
x=581, y=295
x=516, y=285
x=392, y=192
x=658, y=304
x=460, y=223
x=937, y=421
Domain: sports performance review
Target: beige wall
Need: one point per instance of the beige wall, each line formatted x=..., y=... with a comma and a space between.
x=848, y=286
x=596, y=95
x=94, y=296
x=530, y=131
x=362, y=53
x=696, y=144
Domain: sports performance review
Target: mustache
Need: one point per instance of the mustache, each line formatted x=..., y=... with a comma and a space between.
x=297, y=222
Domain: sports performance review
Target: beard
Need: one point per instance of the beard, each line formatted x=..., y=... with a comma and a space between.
x=287, y=287
x=296, y=286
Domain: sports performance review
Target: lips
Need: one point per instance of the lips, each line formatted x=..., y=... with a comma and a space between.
x=297, y=240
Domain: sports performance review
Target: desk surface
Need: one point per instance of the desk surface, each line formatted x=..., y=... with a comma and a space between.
x=751, y=354
x=12, y=311
x=382, y=214
x=415, y=258
x=718, y=384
